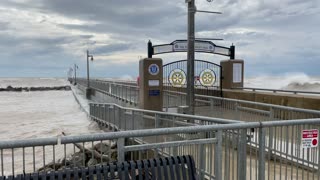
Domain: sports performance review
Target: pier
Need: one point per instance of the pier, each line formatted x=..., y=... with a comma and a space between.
x=189, y=116
x=223, y=136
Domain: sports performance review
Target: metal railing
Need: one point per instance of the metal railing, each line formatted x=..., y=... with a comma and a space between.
x=237, y=109
x=221, y=151
x=278, y=91
x=120, y=91
x=117, y=118
x=206, y=105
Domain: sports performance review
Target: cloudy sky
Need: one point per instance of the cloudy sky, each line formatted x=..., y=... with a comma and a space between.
x=43, y=38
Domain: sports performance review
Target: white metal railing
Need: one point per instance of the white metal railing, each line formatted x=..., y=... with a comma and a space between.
x=221, y=151
x=278, y=90
x=238, y=109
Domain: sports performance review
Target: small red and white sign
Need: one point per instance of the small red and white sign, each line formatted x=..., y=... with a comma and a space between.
x=310, y=138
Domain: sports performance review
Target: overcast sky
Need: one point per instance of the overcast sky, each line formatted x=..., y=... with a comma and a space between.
x=42, y=38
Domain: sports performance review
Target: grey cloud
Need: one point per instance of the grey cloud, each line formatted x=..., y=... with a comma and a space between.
x=112, y=48
x=274, y=28
x=136, y=14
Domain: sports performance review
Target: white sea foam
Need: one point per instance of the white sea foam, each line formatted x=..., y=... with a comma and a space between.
x=32, y=82
x=41, y=113
x=288, y=81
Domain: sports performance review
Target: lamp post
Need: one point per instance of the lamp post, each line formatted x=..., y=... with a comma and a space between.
x=88, y=76
x=88, y=91
x=75, y=74
x=190, y=62
x=191, y=49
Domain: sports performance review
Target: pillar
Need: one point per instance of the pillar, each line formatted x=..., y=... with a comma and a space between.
x=232, y=73
x=150, y=84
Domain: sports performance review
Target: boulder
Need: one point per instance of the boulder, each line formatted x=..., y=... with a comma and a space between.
x=92, y=162
x=77, y=159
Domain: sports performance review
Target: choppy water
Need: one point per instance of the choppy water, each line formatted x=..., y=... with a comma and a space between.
x=40, y=114
x=292, y=81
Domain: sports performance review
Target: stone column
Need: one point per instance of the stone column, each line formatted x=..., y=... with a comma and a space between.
x=150, y=84
x=232, y=73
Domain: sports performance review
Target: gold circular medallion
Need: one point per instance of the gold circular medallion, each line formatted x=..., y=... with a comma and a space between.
x=177, y=78
x=207, y=77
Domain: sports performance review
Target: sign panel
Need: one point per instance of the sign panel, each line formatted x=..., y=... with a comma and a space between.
x=182, y=46
x=222, y=50
x=162, y=49
x=237, y=72
x=153, y=82
x=309, y=138
x=199, y=46
x=154, y=92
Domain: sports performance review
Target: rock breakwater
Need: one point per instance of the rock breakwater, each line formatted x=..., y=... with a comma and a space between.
x=26, y=89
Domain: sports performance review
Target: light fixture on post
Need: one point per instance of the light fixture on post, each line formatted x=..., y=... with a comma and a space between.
x=191, y=52
x=88, y=92
x=75, y=74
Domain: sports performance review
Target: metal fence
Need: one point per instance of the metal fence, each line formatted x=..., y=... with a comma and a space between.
x=278, y=91
x=205, y=105
x=120, y=91
x=121, y=118
x=255, y=150
x=237, y=109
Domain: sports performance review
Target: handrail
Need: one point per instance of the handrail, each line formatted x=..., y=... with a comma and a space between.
x=252, y=103
x=151, y=132
x=277, y=90
x=203, y=118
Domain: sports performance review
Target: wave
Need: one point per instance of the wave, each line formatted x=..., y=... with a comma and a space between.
x=303, y=87
x=288, y=81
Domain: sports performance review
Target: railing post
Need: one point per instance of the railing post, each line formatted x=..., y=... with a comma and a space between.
x=261, y=166
x=157, y=121
x=114, y=116
x=103, y=112
x=237, y=114
x=126, y=94
x=270, y=142
x=168, y=100
x=119, y=118
x=202, y=154
x=99, y=112
x=122, y=92
x=130, y=95
x=218, y=156
x=211, y=104
x=271, y=114
x=120, y=149
x=242, y=154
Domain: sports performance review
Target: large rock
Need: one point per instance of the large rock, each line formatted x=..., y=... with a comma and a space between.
x=102, y=148
x=77, y=159
x=92, y=162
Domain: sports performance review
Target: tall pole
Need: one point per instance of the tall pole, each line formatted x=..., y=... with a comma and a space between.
x=75, y=73
x=190, y=62
x=88, y=82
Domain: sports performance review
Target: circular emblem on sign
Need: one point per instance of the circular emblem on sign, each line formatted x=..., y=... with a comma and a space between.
x=153, y=69
x=207, y=77
x=177, y=78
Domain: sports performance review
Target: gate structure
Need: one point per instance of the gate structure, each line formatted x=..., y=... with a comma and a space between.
x=207, y=78
x=207, y=75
